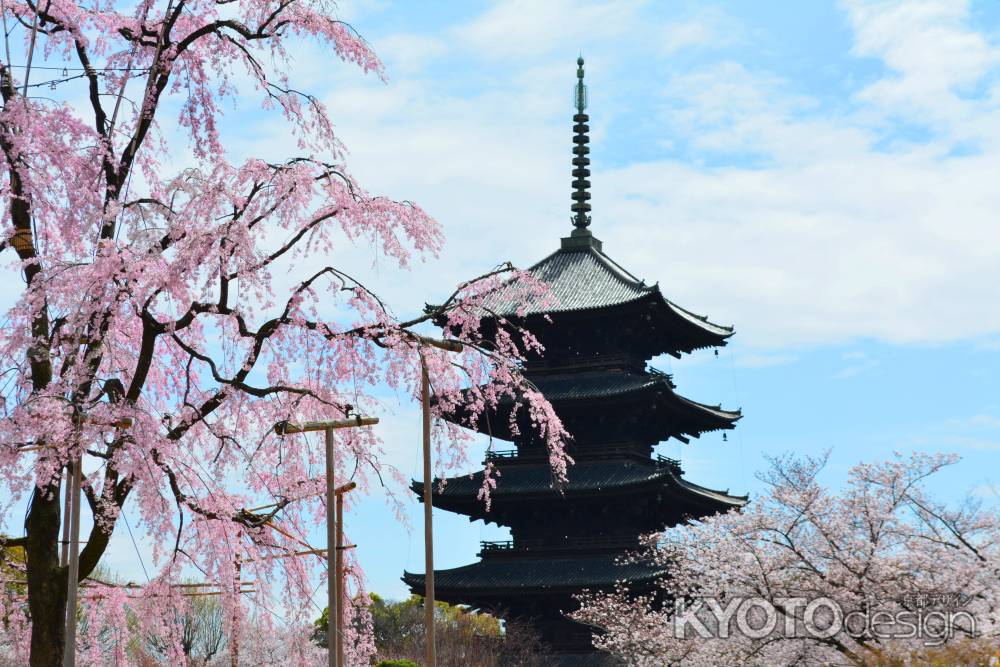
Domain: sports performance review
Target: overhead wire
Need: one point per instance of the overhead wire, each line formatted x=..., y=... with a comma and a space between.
x=136, y=547
x=738, y=432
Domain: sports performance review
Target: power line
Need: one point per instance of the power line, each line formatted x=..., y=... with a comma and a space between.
x=136, y=547
x=84, y=69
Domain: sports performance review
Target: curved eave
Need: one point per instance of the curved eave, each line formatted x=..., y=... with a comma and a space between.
x=727, y=418
x=587, y=282
x=689, y=331
x=699, y=417
x=701, y=322
x=723, y=498
x=461, y=494
x=533, y=576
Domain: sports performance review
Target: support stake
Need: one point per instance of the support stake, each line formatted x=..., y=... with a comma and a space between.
x=425, y=397
x=69, y=653
x=333, y=636
x=332, y=608
x=340, y=578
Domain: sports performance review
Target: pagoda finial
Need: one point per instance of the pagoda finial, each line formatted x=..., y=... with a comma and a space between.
x=581, y=172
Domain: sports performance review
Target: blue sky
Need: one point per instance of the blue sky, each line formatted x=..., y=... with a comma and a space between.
x=821, y=175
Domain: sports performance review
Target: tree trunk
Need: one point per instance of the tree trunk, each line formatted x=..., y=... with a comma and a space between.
x=46, y=579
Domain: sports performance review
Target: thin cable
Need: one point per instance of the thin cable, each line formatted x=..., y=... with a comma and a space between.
x=82, y=69
x=736, y=432
x=265, y=608
x=136, y=547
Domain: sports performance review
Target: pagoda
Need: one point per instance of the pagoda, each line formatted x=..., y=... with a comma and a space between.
x=605, y=326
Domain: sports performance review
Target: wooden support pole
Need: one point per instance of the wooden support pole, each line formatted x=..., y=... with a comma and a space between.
x=332, y=492
x=234, y=640
x=296, y=554
x=332, y=616
x=69, y=652
x=287, y=428
x=73, y=562
x=425, y=399
x=446, y=345
x=66, y=485
x=340, y=579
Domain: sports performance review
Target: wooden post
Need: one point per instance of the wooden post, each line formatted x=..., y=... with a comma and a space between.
x=67, y=508
x=333, y=617
x=74, y=473
x=332, y=604
x=425, y=398
x=234, y=653
x=69, y=652
x=340, y=579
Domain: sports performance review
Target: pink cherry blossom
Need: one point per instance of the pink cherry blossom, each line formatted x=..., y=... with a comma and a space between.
x=151, y=294
x=883, y=545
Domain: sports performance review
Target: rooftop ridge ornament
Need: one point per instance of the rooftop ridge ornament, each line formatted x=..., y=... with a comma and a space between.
x=581, y=171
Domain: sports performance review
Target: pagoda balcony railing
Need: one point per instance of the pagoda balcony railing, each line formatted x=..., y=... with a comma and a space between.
x=575, y=544
x=667, y=461
x=493, y=455
x=514, y=455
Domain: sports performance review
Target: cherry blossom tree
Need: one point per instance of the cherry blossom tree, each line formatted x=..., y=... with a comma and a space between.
x=878, y=574
x=152, y=296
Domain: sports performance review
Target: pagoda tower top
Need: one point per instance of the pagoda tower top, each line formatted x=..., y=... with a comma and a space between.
x=581, y=163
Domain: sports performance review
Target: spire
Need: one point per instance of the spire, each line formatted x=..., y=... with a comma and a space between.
x=581, y=172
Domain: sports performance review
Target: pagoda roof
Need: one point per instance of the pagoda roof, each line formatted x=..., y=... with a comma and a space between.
x=535, y=575
x=586, y=385
x=677, y=416
x=526, y=481
x=581, y=277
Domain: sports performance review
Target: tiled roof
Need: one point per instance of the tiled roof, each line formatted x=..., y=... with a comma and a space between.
x=579, y=386
x=580, y=280
x=538, y=574
x=537, y=478
x=584, y=476
x=584, y=278
x=595, y=384
x=680, y=416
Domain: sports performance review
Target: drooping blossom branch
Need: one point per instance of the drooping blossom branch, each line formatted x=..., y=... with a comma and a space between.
x=200, y=306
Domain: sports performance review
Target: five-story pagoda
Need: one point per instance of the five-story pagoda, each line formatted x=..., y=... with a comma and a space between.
x=605, y=325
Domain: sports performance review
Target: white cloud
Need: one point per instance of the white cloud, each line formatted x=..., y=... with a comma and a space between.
x=519, y=31
x=934, y=55
x=707, y=27
x=763, y=360
x=827, y=236
x=987, y=491
x=525, y=28
x=409, y=53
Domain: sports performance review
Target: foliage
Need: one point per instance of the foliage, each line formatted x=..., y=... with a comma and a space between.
x=463, y=637
x=397, y=663
x=881, y=545
x=195, y=294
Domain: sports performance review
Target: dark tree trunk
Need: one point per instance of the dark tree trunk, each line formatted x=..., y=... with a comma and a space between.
x=46, y=579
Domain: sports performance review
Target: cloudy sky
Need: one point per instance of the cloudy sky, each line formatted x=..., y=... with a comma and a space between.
x=822, y=175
